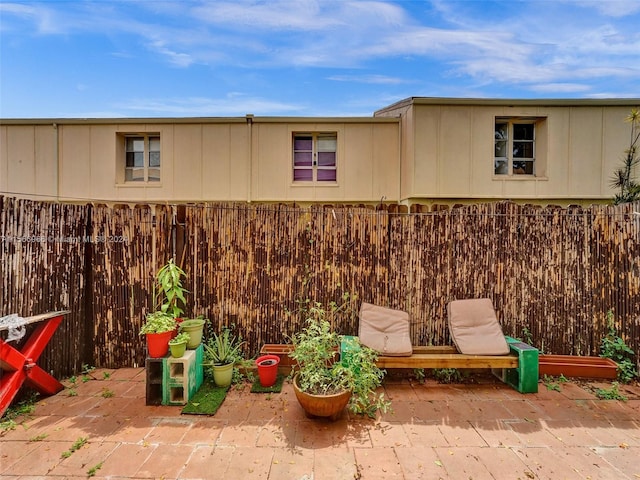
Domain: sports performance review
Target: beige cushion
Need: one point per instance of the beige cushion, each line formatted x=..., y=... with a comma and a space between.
x=385, y=330
x=475, y=329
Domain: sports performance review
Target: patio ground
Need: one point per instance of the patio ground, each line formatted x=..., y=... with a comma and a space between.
x=479, y=431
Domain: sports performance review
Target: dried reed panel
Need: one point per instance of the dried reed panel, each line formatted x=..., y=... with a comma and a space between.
x=123, y=243
x=43, y=265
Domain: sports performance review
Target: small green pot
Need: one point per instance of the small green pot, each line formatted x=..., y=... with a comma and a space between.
x=222, y=374
x=194, y=327
x=178, y=349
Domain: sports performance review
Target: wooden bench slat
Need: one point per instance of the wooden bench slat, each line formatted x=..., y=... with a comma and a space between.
x=448, y=360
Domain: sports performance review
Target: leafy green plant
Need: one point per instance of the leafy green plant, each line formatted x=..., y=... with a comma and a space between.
x=106, y=393
x=182, y=337
x=623, y=177
x=614, y=347
x=320, y=372
x=106, y=375
x=77, y=445
x=448, y=375
x=170, y=293
x=612, y=393
x=23, y=408
x=223, y=348
x=420, y=375
x=158, y=322
x=38, y=438
x=93, y=470
x=550, y=383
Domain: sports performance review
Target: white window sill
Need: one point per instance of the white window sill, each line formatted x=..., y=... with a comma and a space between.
x=519, y=178
x=139, y=184
x=314, y=184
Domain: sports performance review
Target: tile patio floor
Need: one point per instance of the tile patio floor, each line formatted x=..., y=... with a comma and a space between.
x=478, y=431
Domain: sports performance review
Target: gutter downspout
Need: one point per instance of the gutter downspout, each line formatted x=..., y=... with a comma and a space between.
x=56, y=147
x=249, y=118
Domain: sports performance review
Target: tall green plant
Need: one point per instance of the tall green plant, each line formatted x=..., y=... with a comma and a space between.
x=170, y=293
x=624, y=178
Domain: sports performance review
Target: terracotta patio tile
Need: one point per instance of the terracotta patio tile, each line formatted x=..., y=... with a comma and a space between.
x=425, y=434
x=431, y=410
x=321, y=433
x=250, y=463
x=334, y=463
x=497, y=434
x=239, y=435
x=574, y=391
x=385, y=434
x=623, y=460
x=203, y=431
x=125, y=460
x=166, y=461
x=204, y=462
x=114, y=407
x=63, y=404
x=88, y=456
x=400, y=391
x=168, y=431
x=461, y=434
x=500, y=462
x=12, y=451
x=419, y=463
x=463, y=462
x=278, y=434
x=135, y=374
x=569, y=432
x=615, y=433
x=131, y=430
x=296, y=464
x=377, y=463
x=41, y=460
x=401, y=411
x=29, y=428
x=523, y=409
x=533, y=434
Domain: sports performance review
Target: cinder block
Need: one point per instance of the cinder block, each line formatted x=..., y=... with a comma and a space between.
x=182, y=377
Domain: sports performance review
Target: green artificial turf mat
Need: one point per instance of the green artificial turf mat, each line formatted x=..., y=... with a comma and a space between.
x=207, y=399
x=275, y=388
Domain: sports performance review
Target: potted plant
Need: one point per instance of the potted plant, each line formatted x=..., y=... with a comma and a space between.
x=159, y=328
x=178, y=344
x=221, y=353
x=195, y=328
x=170, y=294
x=323, y=383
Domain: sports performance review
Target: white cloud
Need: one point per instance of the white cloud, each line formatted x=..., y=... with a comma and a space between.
x=371, y=79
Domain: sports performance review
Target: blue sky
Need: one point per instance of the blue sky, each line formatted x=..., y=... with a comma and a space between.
x=151, y=58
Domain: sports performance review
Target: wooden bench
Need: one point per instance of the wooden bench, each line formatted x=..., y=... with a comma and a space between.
x=519, y=369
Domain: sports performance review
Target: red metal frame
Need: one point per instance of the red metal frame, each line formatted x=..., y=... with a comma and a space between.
x=19, y=366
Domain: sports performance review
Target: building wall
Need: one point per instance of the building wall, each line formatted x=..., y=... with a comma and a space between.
x=417, y=151
x=577, y=150
x=204, y=161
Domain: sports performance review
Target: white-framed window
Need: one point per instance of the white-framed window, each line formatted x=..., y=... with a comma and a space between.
x=314, y=157
x=142, y=158
x=515, y=147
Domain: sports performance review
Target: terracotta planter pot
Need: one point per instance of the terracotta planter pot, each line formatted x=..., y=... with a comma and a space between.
x=574, y=366
x=158, y=343
x=330, y=406
x=268, y=369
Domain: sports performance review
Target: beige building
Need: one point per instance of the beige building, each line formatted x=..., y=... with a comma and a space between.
x=420, y=150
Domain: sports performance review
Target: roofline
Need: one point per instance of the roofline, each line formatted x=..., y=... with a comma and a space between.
x=191, y=120
x=512, y=102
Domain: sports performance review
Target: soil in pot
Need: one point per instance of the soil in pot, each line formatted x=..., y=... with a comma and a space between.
x=268, y=369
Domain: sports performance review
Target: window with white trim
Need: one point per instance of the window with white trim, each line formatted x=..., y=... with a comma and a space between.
x=314, y=157
x=515, y=147
x=142, y=158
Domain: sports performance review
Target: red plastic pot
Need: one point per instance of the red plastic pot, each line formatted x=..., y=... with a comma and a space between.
x=268, y=369
x=158, y=343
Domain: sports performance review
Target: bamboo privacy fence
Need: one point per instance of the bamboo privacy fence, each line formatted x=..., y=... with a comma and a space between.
x=553, y=273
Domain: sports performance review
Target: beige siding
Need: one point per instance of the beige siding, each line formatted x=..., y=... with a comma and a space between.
x=574, y=151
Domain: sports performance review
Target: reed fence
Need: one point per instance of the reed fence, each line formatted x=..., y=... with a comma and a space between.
x=553, y=273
